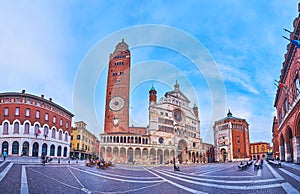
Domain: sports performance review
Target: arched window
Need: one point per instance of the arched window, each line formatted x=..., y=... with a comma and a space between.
x=15, y=147
x=35, y=149
x=59, y=151
x=46, y=131
x=60, y=135
x=5, y=128
x=26, y=128
x=16, y=127
x=52, y=150
x=66, y=136
x=44, y=148
x=36, y=129
x=53, y=133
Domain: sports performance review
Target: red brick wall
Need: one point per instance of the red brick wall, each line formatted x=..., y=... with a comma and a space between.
x=138, y=130
x=32, y=117
x=118, y=89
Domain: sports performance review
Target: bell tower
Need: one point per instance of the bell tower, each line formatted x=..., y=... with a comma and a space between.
x=117, y=90
x=152, y=95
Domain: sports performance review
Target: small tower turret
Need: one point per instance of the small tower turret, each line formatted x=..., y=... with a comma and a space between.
x=229, y=114
x=196, y=111
x=152, y=95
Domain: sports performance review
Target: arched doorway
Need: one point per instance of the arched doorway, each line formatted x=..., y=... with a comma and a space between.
x=5, y=146
x=289, y=145
x=35, y=149
x=152, y=156
x=65, y=151
x=193, y=157
x=223, y=154
x=160, y=156
x=44, y=148
x=25, y=148
x=145, y=156
x=130, y=155
x=15, y=147
x=281, y=148
x=182, y=151
x=115, y=153
x=59, y=151
x=52, y=150
x=109, y=153
x=137, y=155
x=167, y=157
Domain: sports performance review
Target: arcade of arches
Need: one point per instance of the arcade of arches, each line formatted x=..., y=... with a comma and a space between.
x=139, y=150
x=289, y=140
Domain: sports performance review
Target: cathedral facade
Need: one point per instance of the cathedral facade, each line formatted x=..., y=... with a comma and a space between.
x=173, y=130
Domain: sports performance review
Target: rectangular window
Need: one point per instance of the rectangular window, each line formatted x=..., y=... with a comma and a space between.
x=121, y=73
x=37, y=114
x=115, y=74
x=46, y=117
x=6, y=99
x=6, y=111
x=78, y=136
x=60, y=122
x=17, y=112
x=286, y=105
x=54, y=119
x=67, y=125
x=18, y=100
x=71, y=137
x=27, y=114
x=239, y=150
x=28, y=101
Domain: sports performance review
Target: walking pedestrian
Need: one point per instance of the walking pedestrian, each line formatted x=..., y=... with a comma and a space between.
x=4, y=154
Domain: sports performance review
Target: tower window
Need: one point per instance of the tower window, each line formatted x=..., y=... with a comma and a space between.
x=121, y=73
x=118, y=81
x=115, y=74
x=119, y=63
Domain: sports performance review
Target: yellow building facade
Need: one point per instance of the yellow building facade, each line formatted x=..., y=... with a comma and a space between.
x=260, y=150
x=84, y=144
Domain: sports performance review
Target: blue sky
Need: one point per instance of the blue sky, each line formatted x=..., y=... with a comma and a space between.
x=43, y=46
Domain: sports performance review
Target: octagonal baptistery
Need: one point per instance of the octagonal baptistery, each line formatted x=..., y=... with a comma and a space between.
x=31, y=125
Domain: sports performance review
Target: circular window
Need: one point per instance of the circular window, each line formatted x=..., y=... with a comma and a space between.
x=161, y=140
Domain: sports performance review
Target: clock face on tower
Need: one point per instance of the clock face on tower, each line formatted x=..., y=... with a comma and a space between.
x=116, y=103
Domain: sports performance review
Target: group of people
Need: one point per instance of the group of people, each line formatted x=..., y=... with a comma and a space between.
x=103, y=164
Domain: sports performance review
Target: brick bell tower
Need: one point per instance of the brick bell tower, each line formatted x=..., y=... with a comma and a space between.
x=117, y=90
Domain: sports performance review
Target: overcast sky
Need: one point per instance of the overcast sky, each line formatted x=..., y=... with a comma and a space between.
x=44, y=46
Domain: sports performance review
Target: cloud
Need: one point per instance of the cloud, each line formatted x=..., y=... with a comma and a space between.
x=234, y=75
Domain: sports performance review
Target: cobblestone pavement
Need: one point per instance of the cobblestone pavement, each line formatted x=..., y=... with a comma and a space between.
x=31, y=177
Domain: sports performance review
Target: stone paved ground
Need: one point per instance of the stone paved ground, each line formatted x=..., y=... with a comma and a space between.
x=29, y=176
